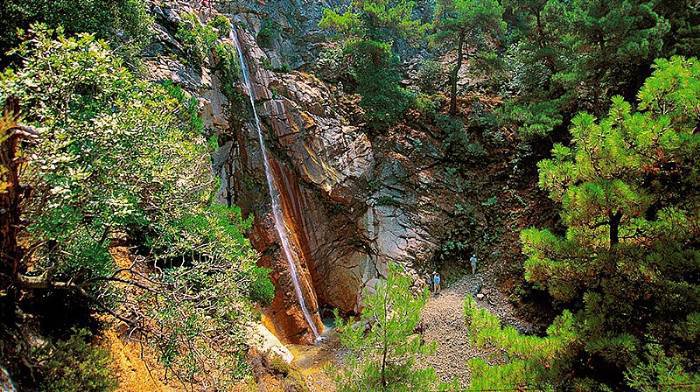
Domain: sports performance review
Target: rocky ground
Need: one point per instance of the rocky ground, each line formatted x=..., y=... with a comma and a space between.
x=443, y=323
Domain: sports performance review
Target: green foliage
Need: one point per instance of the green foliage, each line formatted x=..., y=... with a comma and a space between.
x=375, y=20
x=367, y=30
x=657, y=370
x=199, y=39
x=530, y=361
x=490, y=202
x=375, y=68
x=383, y=341
x=282, y=68
x=684, y=35
x=475, y=23
x=430, y=75
x=428, y=105
x=575, y=55
x=458, y=145
x=125, y=23
x=332, y=64
x=75, y=364
x=119, y=155
x=268, y=31
x=261, y=289
x=628, y=185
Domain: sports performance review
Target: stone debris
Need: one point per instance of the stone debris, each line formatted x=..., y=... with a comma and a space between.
x=443, y=322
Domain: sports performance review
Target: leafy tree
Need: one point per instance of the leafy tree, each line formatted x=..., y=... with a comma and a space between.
x=684, y=18
x=121, y=157
x=628, y=263
x=571, y=56
x=466, y=22
x=532, y=361
x=125, y=23
x=369, y=31
x=383, y=341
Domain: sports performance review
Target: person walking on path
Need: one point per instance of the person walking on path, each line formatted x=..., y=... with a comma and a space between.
x=473, y=262
x=436, y=283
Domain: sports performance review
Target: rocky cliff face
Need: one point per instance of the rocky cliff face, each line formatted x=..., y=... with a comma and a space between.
x=351, y=203
x=355, y=203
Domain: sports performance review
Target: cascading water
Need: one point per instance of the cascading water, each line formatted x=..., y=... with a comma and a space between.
x=274, y=193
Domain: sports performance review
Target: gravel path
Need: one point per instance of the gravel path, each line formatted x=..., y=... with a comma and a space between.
x=443, y=322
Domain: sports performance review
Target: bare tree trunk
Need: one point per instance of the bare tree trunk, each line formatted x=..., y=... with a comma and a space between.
x=455, y=73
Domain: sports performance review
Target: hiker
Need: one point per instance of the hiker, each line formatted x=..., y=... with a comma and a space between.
x=473, y=261
x=436, y=282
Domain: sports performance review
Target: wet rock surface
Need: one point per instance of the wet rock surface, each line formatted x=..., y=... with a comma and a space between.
x=353, y=200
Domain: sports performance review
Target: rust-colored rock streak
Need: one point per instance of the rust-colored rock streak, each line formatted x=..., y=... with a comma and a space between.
x=291, y=245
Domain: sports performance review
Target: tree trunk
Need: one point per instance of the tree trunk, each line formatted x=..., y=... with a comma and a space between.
x=455, y=73
x=615, y=228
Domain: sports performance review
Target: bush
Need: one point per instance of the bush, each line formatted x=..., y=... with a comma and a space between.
x=267, y=34
x=475, y=151
x=262, y=290
x=125, y=23
x=75, y=365
x=427, y=105
x=197, y=38
x=332, y=64
x=430, y=75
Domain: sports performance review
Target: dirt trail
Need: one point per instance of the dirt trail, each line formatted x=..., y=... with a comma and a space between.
x=443, y=322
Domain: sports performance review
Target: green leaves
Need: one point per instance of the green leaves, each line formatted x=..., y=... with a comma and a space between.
x=529, y=361
x=384, y=344
x=367, y=31
x=628, y=186
x=199, y=38
x=120, y=157
x=570, y=56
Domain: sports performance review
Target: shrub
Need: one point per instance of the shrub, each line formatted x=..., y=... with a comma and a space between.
x=197, y=38
x=262, y=290
x=429, y=75
x=221, y=24
x=427, y=105
x=475, y=151
x=75, y=365
x=124, y=23
x=333, y=64
x=268, y=32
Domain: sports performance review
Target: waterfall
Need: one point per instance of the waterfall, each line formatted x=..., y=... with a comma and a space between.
x=274, y=193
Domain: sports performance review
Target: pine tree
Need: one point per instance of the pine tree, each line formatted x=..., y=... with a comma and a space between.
x=628, y=266
x=571, y=56
x=369, y=32
x=384, y=343
x=473, y=23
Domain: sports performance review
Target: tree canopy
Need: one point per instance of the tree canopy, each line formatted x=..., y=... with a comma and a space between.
x=627, y=265
x=120, y=158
